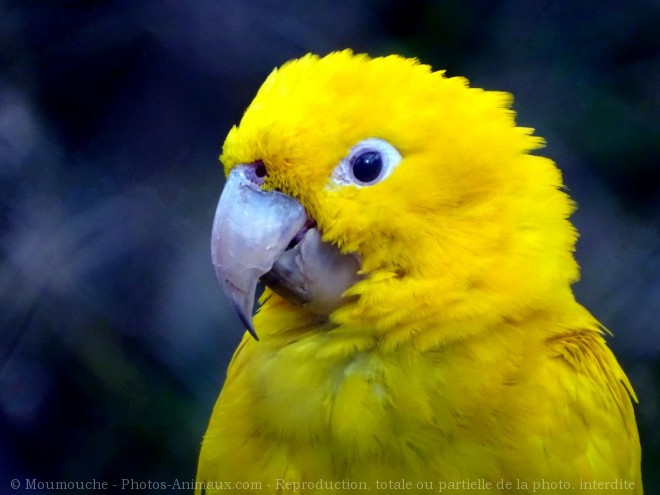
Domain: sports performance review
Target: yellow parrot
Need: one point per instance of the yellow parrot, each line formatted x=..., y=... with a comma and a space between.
x=418, y=331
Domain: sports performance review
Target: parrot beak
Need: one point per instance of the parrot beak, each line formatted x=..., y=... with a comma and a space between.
x=251, y=229
x=268, y=235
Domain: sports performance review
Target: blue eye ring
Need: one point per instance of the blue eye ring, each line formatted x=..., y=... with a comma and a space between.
x=367, y=163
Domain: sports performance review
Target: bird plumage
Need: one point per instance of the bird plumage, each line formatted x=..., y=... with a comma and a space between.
x=461, y=353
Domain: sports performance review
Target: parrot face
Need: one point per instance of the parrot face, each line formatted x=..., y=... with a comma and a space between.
x=347, y=201
x=282, y=246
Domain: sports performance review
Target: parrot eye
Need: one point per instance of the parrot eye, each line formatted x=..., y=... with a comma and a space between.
x=369, y=162
x=367, y=166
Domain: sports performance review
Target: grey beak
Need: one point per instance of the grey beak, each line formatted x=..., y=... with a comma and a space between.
x=251, y=229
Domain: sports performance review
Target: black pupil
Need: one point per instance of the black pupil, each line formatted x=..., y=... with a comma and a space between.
x=367, y=166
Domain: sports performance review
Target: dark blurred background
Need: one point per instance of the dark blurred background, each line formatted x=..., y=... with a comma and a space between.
x=114, y=334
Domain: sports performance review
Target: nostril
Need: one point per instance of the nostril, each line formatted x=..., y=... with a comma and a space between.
x=255, y=172
x=260, y=170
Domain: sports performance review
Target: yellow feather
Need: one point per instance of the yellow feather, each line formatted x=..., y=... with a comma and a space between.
x=462, y=356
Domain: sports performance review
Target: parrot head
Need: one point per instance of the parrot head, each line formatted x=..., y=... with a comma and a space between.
x=383, y=195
